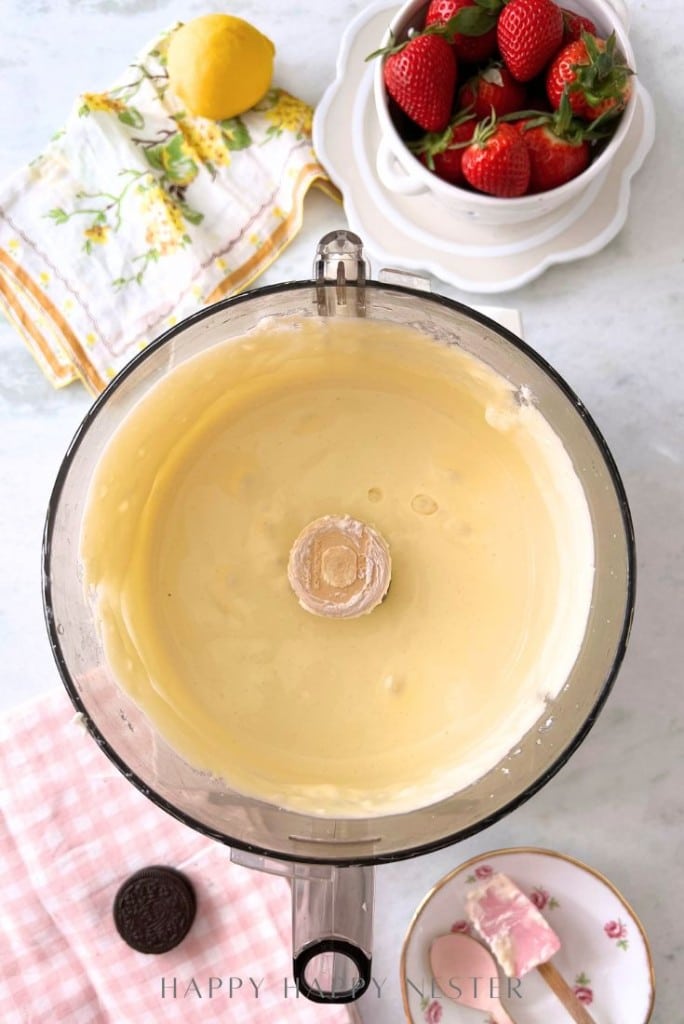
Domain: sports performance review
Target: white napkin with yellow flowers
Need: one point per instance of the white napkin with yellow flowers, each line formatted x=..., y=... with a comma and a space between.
x=137, y=213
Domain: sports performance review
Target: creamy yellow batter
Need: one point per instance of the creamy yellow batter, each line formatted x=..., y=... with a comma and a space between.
x=200, y=495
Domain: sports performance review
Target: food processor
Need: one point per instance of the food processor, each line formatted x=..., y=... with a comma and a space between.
x=330, y=860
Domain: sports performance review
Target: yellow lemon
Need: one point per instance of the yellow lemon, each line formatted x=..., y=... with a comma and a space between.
x=219, y=66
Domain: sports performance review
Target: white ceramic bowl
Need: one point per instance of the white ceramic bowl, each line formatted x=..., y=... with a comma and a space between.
x=400, y=171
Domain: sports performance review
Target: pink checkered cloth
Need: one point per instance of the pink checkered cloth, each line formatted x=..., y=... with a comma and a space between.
x=72, y=830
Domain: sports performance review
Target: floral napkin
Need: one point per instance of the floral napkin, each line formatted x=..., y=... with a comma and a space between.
x=137, y=213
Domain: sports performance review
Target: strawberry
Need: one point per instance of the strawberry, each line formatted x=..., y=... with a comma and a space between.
x=421, y=75
x=558, y=146
x=553, y=160
x=574, y=25
x=493, y=88
x=595, y=74
x=442, y=152
x=497, y=160
x=529, y=33
x=472, y=24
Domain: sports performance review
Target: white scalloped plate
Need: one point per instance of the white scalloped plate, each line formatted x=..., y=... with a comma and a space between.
x=604, y=953
x=417, y=232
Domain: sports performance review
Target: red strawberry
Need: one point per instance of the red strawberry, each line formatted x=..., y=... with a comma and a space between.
x=595, y=75
x=443, y=152
x=558, y=146
x=494, y=87
x=529, y=33
x=420, y=75
x=473, y=26
x=574, y=25
x=497, y=160
x=553, y=160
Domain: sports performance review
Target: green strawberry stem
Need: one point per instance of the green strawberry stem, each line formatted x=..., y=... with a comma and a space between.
x=433, y=143
x=477, y=19
x=563, y=124
x=484, y=130
x=468, y=21
x=429, y=30
x=606, y=74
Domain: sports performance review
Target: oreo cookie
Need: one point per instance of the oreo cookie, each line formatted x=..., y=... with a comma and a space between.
x=154, y=909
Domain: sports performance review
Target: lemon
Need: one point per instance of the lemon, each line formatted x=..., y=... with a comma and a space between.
x=219, y=66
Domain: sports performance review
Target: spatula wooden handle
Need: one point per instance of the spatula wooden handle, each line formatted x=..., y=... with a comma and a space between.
x=565, y=994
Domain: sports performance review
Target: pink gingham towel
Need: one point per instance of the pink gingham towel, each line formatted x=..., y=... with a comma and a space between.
x=72, y=830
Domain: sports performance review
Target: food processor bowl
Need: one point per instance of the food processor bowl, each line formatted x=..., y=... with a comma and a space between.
x=330, y=859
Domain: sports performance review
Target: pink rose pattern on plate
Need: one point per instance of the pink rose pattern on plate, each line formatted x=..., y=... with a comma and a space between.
x=481, y=874
x=582, y=989
x=617, y=930
x=433, y=1011
x=542, y=900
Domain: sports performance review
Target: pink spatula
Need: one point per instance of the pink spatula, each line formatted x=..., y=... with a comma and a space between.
x=520, y=938
x=466, y=972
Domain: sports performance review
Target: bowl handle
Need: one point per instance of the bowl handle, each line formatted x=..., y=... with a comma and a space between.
x=332, y=932
x=395, y=180
x=622, y=10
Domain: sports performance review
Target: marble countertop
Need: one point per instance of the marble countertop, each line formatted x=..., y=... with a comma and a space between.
x=612, y=324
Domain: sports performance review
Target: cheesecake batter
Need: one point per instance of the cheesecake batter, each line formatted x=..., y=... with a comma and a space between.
x=197, y=501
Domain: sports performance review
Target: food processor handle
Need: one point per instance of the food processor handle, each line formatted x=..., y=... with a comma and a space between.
x=332, y=932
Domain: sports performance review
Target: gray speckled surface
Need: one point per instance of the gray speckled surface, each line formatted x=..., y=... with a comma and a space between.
x=611, y=324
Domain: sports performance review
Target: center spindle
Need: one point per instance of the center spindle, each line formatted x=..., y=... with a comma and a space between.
x=339, y=567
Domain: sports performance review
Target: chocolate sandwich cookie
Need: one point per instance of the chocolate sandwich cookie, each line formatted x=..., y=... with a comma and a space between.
x=154, y=909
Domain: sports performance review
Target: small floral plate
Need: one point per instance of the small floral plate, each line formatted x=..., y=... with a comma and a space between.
x=604, y=955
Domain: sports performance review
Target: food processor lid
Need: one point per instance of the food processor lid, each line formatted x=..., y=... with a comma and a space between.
x=341, y=287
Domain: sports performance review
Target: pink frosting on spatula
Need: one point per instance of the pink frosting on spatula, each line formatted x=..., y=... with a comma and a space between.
x=511, y=925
